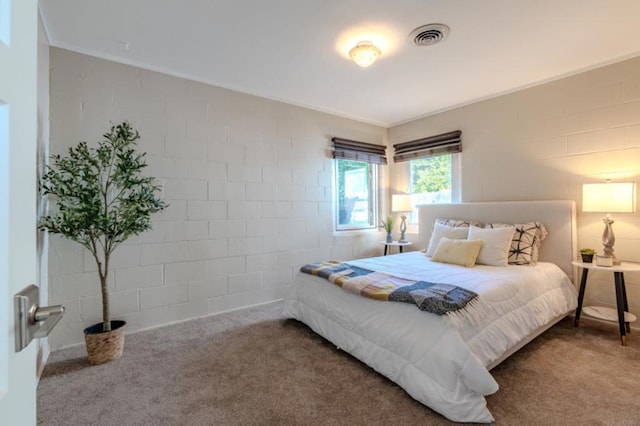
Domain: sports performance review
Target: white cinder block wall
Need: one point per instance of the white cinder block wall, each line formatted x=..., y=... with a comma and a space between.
x=248, y=180
x=544, y=143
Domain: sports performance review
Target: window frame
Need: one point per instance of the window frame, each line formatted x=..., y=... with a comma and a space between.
x=373, y=198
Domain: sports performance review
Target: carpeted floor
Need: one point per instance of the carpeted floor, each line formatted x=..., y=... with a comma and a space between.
x=252, y=367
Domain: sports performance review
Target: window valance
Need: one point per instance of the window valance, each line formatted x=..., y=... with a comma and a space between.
x=428, y=147
x=359, y=151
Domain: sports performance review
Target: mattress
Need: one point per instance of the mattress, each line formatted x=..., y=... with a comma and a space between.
x=440, y=361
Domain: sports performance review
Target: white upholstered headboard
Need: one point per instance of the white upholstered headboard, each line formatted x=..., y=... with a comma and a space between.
x=559, y=217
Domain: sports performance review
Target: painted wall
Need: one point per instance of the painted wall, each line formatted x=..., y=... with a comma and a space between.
x=544, y=143
x=248, y=180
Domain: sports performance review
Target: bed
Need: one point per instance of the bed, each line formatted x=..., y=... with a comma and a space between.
x=444, y=361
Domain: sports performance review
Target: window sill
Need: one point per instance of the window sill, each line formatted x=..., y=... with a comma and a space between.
x=352, y=232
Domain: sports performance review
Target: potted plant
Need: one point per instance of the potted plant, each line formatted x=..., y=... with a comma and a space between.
x=101, y=199
x=388, y=226
x=587, y=254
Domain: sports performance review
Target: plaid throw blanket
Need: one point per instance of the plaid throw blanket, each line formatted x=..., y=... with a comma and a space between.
x=436, y=298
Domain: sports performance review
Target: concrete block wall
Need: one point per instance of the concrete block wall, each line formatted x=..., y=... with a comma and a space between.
x=543, y=143
x=248, y=180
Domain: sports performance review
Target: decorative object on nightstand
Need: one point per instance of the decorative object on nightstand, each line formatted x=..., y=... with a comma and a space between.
x=587, y=254
x=620, y=314
x=604, y=260
x=401, y=203
x=388, y=226
x=609, y=197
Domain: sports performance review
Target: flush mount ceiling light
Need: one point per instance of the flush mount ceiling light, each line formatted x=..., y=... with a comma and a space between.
x=364, y=53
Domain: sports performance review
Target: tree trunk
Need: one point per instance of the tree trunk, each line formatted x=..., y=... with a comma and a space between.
x=106, y=317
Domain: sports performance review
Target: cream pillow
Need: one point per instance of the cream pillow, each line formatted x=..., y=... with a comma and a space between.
x=497, y=242
x=439, y=231
x=457, y=252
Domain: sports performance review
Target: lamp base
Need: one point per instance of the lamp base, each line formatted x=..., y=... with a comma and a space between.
x=609, y=239
x=403, y=229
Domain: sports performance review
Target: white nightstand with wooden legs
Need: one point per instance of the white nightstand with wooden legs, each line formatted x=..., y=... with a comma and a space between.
x=619, y=314
x=395, y=244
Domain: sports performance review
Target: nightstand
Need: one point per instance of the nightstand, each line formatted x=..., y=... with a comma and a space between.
x=395, y=244
x=620, y=314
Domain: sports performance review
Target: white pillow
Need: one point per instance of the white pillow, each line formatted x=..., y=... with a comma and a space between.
x=457, y=252
x=439, y=231
x=497, y=242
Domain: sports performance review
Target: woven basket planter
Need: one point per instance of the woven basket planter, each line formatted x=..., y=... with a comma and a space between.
x=104, y=347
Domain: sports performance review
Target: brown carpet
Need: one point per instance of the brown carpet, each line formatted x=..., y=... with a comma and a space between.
x=252, y=367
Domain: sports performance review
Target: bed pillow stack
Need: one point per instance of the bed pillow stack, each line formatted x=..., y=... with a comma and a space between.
x=501, y=243
x=443, y=228
x=445, y=231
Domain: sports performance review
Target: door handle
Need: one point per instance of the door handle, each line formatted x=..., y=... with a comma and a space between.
x=31, y=320
x=43, y=314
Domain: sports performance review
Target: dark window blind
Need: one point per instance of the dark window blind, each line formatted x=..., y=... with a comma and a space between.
x=359, y=151
x=428, y=147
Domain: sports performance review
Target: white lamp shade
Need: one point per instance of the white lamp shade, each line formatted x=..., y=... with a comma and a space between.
x=611, y=197
x=401, y=203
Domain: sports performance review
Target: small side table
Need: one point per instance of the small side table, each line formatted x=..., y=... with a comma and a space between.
x=619, y=314
x=395, y=244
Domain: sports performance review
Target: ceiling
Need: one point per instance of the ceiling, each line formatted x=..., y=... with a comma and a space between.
x=296, y=51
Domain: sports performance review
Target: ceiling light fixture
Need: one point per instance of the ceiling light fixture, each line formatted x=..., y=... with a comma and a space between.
x=364, y=53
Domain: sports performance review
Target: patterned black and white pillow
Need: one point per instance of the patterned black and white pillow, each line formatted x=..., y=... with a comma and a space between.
x=456, y=223
x=526, y=241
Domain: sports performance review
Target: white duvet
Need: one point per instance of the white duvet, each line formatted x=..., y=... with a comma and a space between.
x=439, y=360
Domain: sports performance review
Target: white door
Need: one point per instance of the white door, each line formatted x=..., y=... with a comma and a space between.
x=18, y=256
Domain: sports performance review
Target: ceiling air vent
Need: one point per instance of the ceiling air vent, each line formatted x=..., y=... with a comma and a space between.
x=429, y=34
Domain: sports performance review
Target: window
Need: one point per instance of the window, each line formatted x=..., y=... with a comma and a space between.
x=433, y=172
x=356, y=188
x=433, y=180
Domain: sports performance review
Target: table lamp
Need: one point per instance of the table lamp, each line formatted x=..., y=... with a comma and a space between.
x=609, y=197
x=401, y=203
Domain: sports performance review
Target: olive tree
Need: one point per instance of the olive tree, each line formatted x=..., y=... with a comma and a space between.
x=100, y=198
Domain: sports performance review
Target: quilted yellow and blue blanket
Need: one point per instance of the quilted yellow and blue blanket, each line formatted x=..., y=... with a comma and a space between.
x=437, y=298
